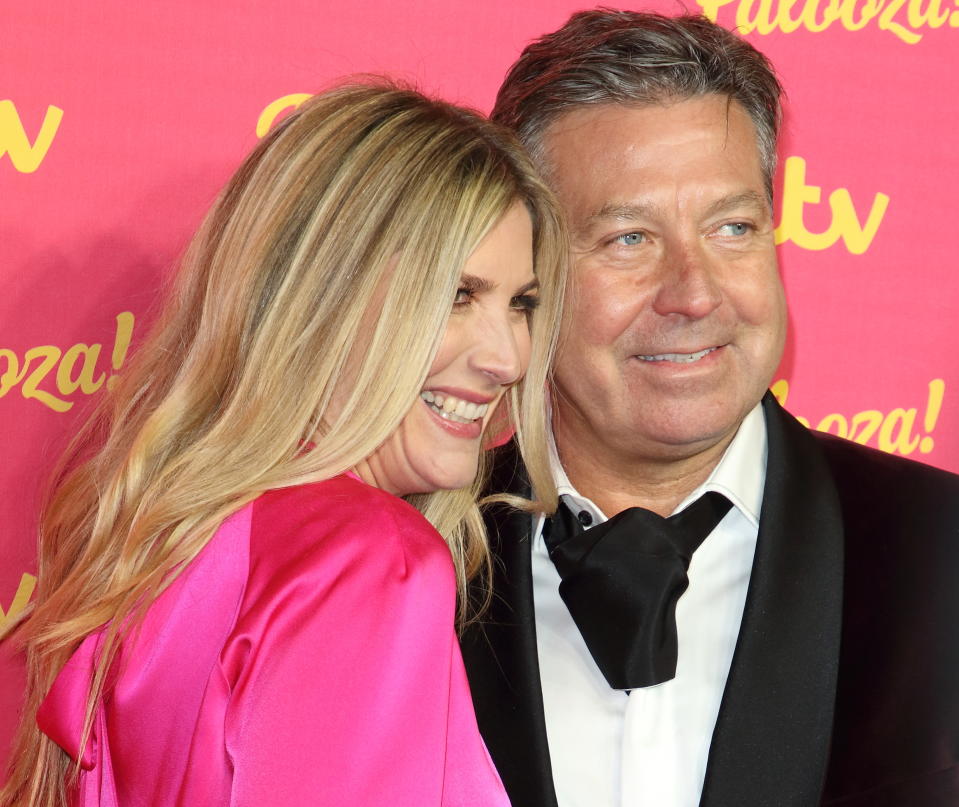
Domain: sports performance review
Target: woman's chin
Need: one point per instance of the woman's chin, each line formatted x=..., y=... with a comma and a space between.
x=449, y=477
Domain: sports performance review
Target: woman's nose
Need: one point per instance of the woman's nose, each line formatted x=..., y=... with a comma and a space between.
x=502, y=349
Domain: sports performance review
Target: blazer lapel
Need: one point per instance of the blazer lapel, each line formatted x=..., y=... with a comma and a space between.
x=771, y=742
x=500, y=651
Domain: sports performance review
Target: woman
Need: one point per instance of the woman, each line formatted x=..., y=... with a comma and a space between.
x=235, y=604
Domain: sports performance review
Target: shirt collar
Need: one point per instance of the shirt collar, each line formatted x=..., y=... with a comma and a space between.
x=740, y=474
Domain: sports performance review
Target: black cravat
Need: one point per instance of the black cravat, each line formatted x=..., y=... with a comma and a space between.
x=621, y=582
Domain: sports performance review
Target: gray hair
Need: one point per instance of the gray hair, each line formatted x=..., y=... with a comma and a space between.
x=627, y=57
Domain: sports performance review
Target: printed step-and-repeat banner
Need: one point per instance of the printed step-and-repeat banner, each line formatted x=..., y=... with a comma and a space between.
x=120, y=121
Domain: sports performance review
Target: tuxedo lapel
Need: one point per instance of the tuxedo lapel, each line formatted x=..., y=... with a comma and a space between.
x=500, y=652
x=771, y=742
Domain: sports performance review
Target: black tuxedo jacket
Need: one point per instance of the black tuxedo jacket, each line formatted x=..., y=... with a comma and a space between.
x=844, y=686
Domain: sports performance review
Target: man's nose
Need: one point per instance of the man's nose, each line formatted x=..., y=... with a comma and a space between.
x=688, y=284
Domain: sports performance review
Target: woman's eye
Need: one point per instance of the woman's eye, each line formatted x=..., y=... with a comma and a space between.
x=527, y=303
x=735, y=228
x=463, y=296
x=630, y=239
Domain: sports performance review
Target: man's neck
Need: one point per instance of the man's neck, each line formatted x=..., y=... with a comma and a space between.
x=616, y=482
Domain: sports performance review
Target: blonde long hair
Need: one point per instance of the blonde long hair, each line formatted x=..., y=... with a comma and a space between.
x=364, y=187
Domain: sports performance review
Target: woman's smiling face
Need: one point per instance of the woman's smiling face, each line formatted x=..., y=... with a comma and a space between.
x=485, y=350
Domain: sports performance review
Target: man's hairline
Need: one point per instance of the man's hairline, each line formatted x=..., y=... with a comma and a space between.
x=539, y=151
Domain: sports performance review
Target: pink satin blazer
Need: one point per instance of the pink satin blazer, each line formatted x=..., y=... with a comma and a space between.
x=306, y=657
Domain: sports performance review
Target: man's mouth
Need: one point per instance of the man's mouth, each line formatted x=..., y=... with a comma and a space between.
x=681, y=358
x=449, y=407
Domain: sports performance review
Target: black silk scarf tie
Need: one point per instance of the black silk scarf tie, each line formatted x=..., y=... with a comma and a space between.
x=621, y=581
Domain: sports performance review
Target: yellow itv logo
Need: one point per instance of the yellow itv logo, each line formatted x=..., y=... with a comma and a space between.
x=25, y=155
x=845, y=224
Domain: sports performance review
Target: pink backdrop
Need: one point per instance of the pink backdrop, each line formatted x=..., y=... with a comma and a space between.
x=119, y=122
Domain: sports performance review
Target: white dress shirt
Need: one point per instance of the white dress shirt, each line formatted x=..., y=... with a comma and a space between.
x=649, y=748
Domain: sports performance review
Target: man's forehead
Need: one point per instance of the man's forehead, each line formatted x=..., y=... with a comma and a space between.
x=590, y=124
x=601, y=145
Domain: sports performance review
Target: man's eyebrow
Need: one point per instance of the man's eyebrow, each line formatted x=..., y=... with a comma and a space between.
x=617, y=212
x=744, y=199
x=635, y=211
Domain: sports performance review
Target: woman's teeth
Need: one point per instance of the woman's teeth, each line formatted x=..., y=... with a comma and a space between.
x=452, y=408
x=678, y=357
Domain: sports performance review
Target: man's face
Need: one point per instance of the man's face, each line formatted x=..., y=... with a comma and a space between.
x=677, y=318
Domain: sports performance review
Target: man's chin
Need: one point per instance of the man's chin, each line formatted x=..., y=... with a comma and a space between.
x=680, y=433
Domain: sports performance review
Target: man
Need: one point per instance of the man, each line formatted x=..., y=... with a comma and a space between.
x=814, y=656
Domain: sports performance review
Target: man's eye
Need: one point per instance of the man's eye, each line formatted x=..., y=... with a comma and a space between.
x=735, y=228
x=630, y=239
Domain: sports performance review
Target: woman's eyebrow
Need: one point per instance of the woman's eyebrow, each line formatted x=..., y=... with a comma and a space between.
x=475, y=283
x=482, y=284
